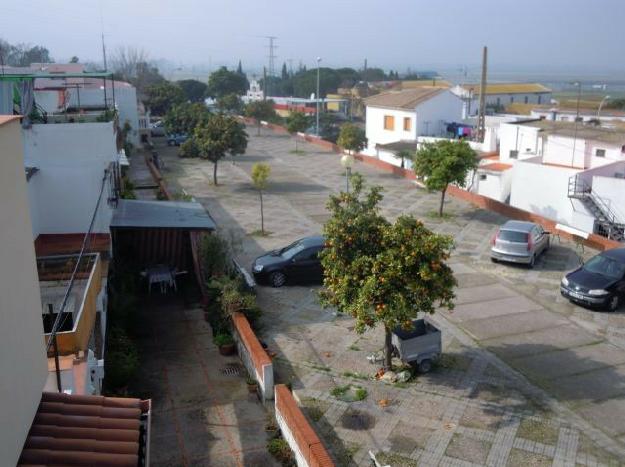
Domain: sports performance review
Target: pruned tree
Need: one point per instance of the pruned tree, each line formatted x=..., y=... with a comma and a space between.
x=297, y=122
x=74, y=59
x=183, y=118
x=133, y=65
x=352, y=138
x=23, y=54
x=442, y=163
x=403, y=155
x=260, y=177
x=381, y=273
x=224, y=81
x=219, y=136
x=231, y=103
x=259, y=111
x=162, y=97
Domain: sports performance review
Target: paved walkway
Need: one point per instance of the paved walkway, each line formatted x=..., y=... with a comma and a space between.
x=475, y=408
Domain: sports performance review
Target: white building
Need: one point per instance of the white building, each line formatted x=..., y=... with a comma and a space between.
x=499, y=95
x=585, y=115
x=573, y=174
x=406, y=115
x=22, y=356
x=254, y=93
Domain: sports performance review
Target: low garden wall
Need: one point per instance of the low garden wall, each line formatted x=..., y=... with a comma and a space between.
x=304, y=442
x=253, y=356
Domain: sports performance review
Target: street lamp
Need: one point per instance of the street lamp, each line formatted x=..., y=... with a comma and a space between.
x=347, y=161
x=601, y=105
x=317, y=95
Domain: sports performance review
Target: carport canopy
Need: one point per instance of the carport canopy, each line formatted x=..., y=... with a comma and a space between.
x=397, y=146
x=141, y=214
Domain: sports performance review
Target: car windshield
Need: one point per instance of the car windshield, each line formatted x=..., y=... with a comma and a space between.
x=512, y=236
x=605, y=266
x=291, y=250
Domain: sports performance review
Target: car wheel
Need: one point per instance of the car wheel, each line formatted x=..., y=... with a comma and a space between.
x=532, y=262
x=614, y=303
x=425, y=366
x=277, y=279
x=494, y=260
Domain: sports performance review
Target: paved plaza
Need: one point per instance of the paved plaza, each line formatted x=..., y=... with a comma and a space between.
x=526, y=377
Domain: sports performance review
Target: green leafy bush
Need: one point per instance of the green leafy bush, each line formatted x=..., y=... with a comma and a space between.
x=223, y=339
x=122, y=359
x=281, y=450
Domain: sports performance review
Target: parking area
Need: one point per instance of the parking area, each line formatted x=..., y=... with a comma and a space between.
x=526, y=378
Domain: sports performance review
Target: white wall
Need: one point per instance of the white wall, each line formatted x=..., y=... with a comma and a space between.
x=568, y=116
x=496, y=185
x=374, y=127
x=433, y=113
x=543, y=189
x=612, y=190
x=23, y=362
x=507, y=99
x=524, y=139
x=71, y=158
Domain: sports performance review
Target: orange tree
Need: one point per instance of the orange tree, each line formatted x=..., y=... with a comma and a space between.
x=382, y=273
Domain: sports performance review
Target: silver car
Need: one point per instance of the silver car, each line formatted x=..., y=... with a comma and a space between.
x=519, y=242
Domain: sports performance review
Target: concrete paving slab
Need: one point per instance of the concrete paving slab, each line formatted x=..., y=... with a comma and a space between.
x=555, y=364
x=473, y=279
x=538, y=342
x=591, y=386
x=511, y=324
x=500, y=307
x=607, y=415
x=483, y=293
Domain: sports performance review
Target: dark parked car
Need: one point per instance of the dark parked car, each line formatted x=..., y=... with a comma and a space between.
x=176, y=139
x=297, y=263
x=599, y=283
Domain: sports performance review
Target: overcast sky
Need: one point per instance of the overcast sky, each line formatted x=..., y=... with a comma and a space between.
x=580, y=35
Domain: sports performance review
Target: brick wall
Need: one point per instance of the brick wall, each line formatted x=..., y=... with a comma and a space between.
x=306, y=445
x=253, y=355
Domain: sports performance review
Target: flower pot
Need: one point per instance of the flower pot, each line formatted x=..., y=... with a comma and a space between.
x=227, y=349
x=252, y=388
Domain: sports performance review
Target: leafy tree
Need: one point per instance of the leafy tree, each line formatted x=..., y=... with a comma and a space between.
x=403, y=155
x=74, y=59
x=189, y=149
x=230, y=103
x=444, y=162
x=373, y=74
x=223, y=81
x=183, y=118
x=305, y=83
x=260, y=110
x=162, y=97
x=615, y=104
x=133, y=66
x=285, y=73
x=352, y=138
x=23, y=54
x=194, y=90
x=260, y=175
x=240, y=68
x=349, y=77
x=218, y=136
x=381, y=273
x=297, y=122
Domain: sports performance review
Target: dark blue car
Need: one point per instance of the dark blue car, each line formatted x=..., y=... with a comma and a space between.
x=176, y=139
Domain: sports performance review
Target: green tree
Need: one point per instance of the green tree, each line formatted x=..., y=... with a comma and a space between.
x=403, y=155
x=219, y=136
x=285, y=73
x=260, y=110
x=381, y=273
x=352, y=138
x=260, y=177
x=240, y=68
x=162, y=97
x=183, y=118
x=230, y=103
x=223, y=81
x=194, y=90
x=297, y=122
x=189, y=149
x=74, y=59
x=442, y=163
x=305, y=82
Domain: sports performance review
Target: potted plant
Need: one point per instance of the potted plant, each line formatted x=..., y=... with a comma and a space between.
x=252, y=385
x=225, y=342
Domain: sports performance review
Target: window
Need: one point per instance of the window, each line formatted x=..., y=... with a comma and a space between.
x=540, y=98
x=600, y=152
x=389, y=122
x=483, y=176
x=526, y=99
x=498, y=101
x=511, y=99
x=514, y=154
x=407, y=124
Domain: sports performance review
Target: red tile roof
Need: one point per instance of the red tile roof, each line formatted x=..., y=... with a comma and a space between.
x=495, y=167
x=73, y=430
x=8, y=118
x=63, y=244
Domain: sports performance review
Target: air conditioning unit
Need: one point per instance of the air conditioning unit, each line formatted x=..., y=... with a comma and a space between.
x=619, y=175
x=514, y=154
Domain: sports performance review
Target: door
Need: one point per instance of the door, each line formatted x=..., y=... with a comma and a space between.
x=305, y=266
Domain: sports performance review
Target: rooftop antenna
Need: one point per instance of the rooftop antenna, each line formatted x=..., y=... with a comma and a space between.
x=271, y=71
x=103, y=46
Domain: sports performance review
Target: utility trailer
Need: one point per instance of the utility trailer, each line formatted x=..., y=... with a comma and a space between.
x=418, y=346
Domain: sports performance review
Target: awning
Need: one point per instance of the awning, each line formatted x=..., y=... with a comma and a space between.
x=86, y=431
x=139, y=214
x=396, y=146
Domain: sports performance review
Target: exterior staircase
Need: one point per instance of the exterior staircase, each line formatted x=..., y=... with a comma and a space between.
x=607, y=223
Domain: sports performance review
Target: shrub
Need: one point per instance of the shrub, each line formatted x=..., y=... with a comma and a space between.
x=223, y=339
x=121, y=359
x=215, y=255
x=281, y=450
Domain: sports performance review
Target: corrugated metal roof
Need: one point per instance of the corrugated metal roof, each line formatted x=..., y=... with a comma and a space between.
x=508, y=88
x=407, y=99
x=131, y=213
x=85, y=431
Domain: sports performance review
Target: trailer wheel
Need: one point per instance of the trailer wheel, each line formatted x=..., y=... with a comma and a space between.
x=425, y=366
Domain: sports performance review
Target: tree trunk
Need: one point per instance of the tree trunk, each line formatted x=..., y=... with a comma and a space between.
x=388, y=349
x=215, y=173
x=262, y=215
x=258, y=128
x=295, y=142
x=440, y=209
x=402, y=162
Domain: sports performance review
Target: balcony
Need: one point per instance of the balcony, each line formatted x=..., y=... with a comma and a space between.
x=81, y=305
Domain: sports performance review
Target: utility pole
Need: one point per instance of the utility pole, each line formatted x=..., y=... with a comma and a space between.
x=264, y=83
x=481, y=117
x=271, y=71
x=579, y=95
